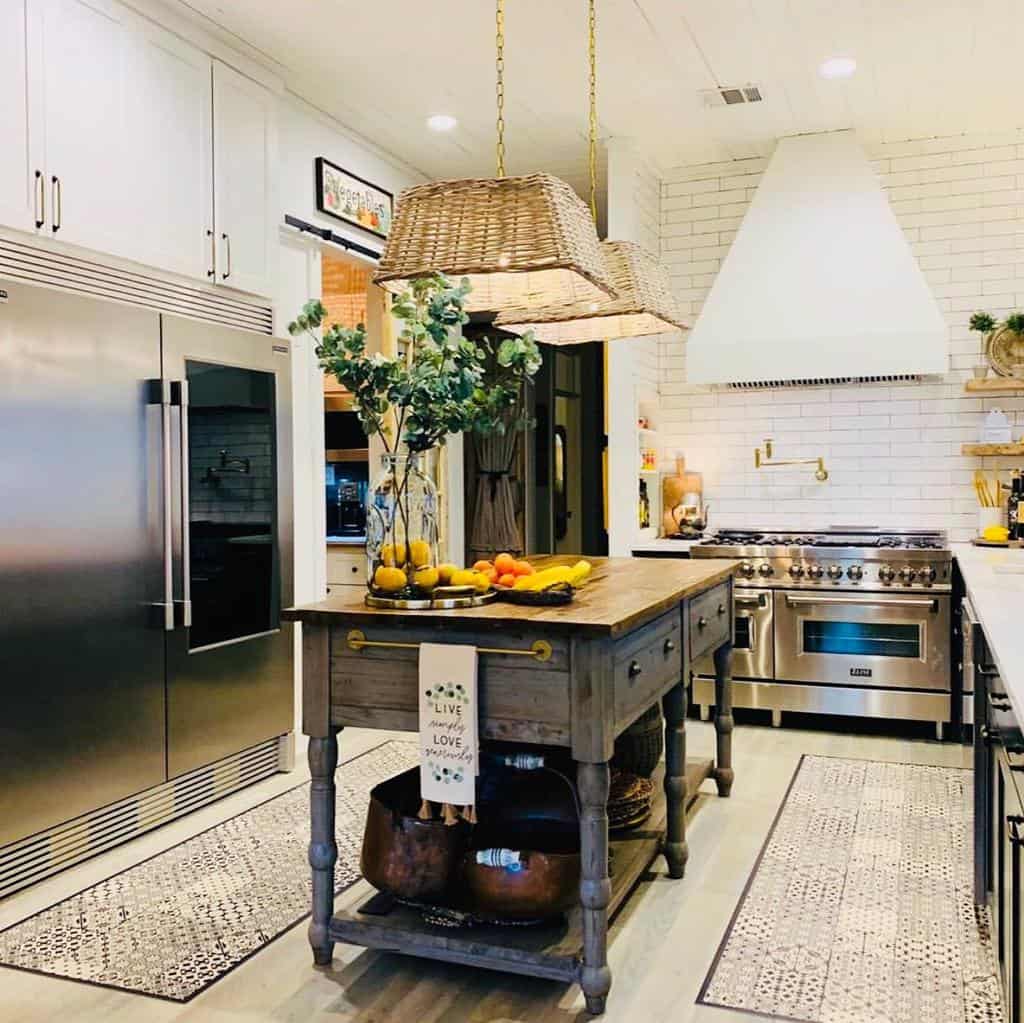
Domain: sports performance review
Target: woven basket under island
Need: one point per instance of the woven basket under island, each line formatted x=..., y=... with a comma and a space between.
x=625, y=643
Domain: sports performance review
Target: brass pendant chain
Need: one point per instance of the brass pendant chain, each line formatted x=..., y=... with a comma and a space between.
x=499, y=41
x=593, y=110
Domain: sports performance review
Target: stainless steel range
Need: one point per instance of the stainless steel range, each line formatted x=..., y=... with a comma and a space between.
x=841, y=621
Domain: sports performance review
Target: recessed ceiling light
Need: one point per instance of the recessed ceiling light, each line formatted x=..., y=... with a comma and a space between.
x=441, y=122
x=837, y=67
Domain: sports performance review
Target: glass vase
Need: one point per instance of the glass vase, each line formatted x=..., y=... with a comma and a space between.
x=401, y=530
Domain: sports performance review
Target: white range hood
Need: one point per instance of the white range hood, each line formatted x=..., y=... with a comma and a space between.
x=820, y=283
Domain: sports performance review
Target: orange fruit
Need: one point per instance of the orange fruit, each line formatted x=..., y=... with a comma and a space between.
x=491, y=573
x=482, y=566
x=505, y=564
x=523, y=568
x=508, y=579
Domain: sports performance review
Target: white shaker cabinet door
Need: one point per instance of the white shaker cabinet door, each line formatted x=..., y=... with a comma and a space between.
x=169, y=163
x=21, y=160
x=245, y=147
x=84, y=77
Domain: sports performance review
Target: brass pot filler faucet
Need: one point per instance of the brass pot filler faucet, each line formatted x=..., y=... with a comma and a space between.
x=765, y=462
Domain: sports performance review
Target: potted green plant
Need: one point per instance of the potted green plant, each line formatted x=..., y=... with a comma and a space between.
x=984, y=324
x=438, y=386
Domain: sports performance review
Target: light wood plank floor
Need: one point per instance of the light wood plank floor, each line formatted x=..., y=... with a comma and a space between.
x=662, y=944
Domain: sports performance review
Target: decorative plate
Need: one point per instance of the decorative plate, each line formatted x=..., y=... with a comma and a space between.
x=1005, y=351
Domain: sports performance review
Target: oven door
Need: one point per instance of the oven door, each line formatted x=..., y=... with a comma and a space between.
x=752, y=653
x=874, y=639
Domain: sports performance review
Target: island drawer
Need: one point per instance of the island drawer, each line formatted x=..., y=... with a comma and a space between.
x=710, y=620
x=521, y=699
x=645, y=663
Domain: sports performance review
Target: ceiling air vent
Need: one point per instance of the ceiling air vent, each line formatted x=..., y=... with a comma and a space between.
x=760, y=385
x=730, y=96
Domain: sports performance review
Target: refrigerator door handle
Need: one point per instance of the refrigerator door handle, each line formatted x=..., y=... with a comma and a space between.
x=179, y=397
x=160, y=393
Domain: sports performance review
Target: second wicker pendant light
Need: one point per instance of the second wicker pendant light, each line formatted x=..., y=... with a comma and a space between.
x=644, y=303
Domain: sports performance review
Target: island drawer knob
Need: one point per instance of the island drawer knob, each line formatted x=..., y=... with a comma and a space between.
x=634, y=669
x=669, y=646
x=702, y=622
x=721, y=609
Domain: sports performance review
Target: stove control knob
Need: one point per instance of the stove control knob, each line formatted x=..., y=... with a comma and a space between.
x=766, y=570
x=907, y=575
x=746, y=570
x=815, y=572
x=855, y=572
x=928, y=575
x=796, y=570
x=886, y=574
x=835, y=572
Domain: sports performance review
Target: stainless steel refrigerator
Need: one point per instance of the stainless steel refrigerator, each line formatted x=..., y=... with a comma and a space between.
x=145, y=554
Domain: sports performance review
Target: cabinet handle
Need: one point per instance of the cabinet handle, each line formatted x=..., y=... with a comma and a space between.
x=669, y=646
x=634, y=669
x=702, y=623
x=213, y=254
x=721, y=609
x=40, y=199
x=58, y=204
x=227, y=246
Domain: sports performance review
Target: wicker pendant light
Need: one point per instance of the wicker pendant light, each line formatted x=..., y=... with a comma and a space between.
x=644, y=303
x=524, y=242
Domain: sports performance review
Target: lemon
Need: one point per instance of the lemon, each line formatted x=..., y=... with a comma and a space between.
x=419, y=553
x=426, y=578
x=463, y=577
x=389, y=579
x=445, y=573
x=481, y=582
x=998, y=534
x=393, y=555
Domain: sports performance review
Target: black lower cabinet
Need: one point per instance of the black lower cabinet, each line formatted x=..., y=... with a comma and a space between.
x=999, y=829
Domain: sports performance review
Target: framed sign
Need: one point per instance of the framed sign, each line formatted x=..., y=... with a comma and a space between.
x=352, y=200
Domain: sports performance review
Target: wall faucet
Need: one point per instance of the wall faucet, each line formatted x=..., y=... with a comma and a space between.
x=765, y=462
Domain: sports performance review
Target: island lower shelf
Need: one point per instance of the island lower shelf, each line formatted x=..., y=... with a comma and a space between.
x=553, y=951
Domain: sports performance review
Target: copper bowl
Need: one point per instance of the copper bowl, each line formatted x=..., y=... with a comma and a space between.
x=547, y=885
x=411, y=858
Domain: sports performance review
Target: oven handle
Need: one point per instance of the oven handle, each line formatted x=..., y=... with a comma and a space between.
x=745, y=601
x=929, y=602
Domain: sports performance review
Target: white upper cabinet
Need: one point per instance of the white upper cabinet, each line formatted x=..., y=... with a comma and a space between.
x=120, y=137
x=245, y=154
x=21, y=169
x=168, y=176
x=85, y=82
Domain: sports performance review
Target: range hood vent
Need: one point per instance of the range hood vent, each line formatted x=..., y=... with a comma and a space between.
x=819, y=283
x=760, y=385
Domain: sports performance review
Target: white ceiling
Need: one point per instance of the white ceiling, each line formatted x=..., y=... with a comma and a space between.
x=926, y=67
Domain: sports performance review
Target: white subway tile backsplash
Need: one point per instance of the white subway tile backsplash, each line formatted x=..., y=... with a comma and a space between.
x=893, y=451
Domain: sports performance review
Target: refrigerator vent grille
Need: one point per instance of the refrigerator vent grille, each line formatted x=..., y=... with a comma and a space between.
x=31, y=859
x=37, y=265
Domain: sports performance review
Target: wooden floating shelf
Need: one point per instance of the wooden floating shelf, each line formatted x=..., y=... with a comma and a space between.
x=554, y=951
x=347, y=454
x=994, y=385
x=992, y=449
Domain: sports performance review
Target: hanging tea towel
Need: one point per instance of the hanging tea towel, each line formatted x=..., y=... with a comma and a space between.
x=448, y=723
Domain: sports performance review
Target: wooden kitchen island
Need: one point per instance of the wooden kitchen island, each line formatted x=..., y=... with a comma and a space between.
x=572, y=677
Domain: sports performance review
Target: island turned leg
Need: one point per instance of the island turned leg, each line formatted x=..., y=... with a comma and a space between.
x=323, y=849
x=723, y=719
x=677, y=852
x=595, y=886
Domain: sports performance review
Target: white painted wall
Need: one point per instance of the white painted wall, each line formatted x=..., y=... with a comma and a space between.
x=893, y=451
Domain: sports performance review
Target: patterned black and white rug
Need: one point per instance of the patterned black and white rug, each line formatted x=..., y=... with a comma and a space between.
x=172, y=925
x=860, y=906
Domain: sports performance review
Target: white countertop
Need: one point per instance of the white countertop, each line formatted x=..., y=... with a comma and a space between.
x=680, y=547
x=997, y=597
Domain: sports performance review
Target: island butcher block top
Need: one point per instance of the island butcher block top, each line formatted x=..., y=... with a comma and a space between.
x=621, y=594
